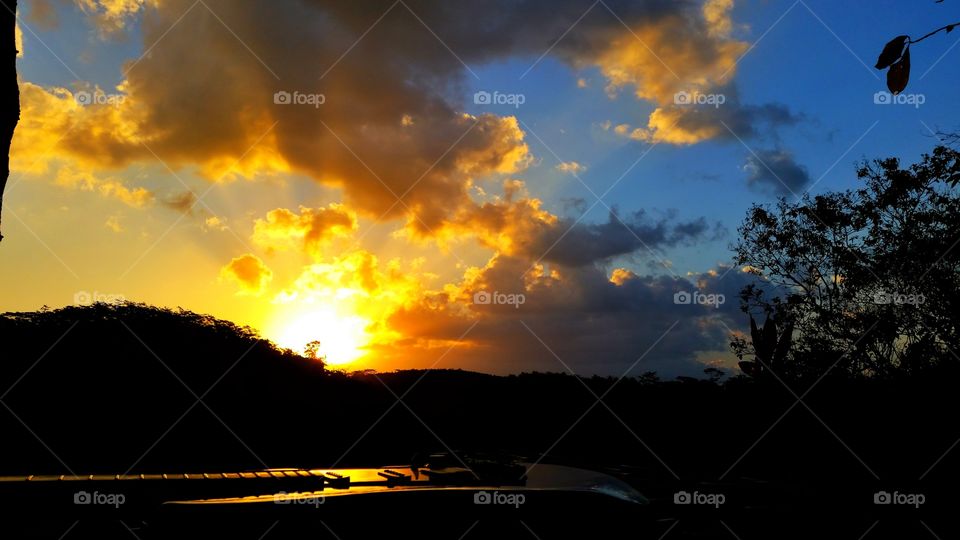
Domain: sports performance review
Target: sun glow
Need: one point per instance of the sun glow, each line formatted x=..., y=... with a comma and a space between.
x=342, y=337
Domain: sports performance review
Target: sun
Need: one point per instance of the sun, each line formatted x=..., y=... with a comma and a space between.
x=342, y=338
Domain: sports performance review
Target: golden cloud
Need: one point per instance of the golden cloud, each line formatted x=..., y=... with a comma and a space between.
x=249, y=272
x=107, y=187
x=310, y=230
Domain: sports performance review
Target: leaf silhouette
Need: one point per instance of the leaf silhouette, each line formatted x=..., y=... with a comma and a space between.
x=891, y=52
x=899, y=74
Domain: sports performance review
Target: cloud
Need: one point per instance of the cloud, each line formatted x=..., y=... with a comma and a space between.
x=574, y=297
x=43, y=14
x=571, y=167
x=111, y=17
x=579, y=244
x=576, y=312
x=517, y=225
x=310, y=230
x=404, y=136
x=214, y=223
x=107, y=187
x=182, y=202
x=113, y=223
x=776, y=171
x=249, y=273
x=686, y=124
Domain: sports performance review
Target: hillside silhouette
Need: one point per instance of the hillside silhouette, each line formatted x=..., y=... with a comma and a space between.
x=104, y=388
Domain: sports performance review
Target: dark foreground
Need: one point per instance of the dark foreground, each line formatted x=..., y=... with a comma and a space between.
x=130, y=391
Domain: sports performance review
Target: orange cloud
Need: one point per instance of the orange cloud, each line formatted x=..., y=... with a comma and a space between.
x=108, y=187
x=249, y=273
x=311, y=229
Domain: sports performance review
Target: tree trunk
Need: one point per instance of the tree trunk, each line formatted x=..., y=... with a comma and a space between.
x=9, y=91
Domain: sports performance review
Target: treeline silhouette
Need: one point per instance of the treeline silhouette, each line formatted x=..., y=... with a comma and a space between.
x=103, y=389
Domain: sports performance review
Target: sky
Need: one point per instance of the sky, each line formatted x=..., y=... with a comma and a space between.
x=501, y=186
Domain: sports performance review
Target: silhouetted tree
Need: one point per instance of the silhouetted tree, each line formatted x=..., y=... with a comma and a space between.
x=312, y=350
x=10, y=107
x=870, y=275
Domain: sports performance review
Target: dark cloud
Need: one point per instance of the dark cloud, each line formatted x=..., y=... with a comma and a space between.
x=595, y=324
x=578, y=244
x=776, y=171
x=183, y=202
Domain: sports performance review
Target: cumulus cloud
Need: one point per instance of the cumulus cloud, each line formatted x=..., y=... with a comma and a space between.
x=182, y=202
x=311, y=229
x=685, y=124
x=575, y=311
x=571, y=167
x=516, y=224
x=249, y=273
x=587, y=243
x=404, y=136
x=776, y=171
x=109, y=187
x=111, y=17
x=113, y=224
x=42, y=13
